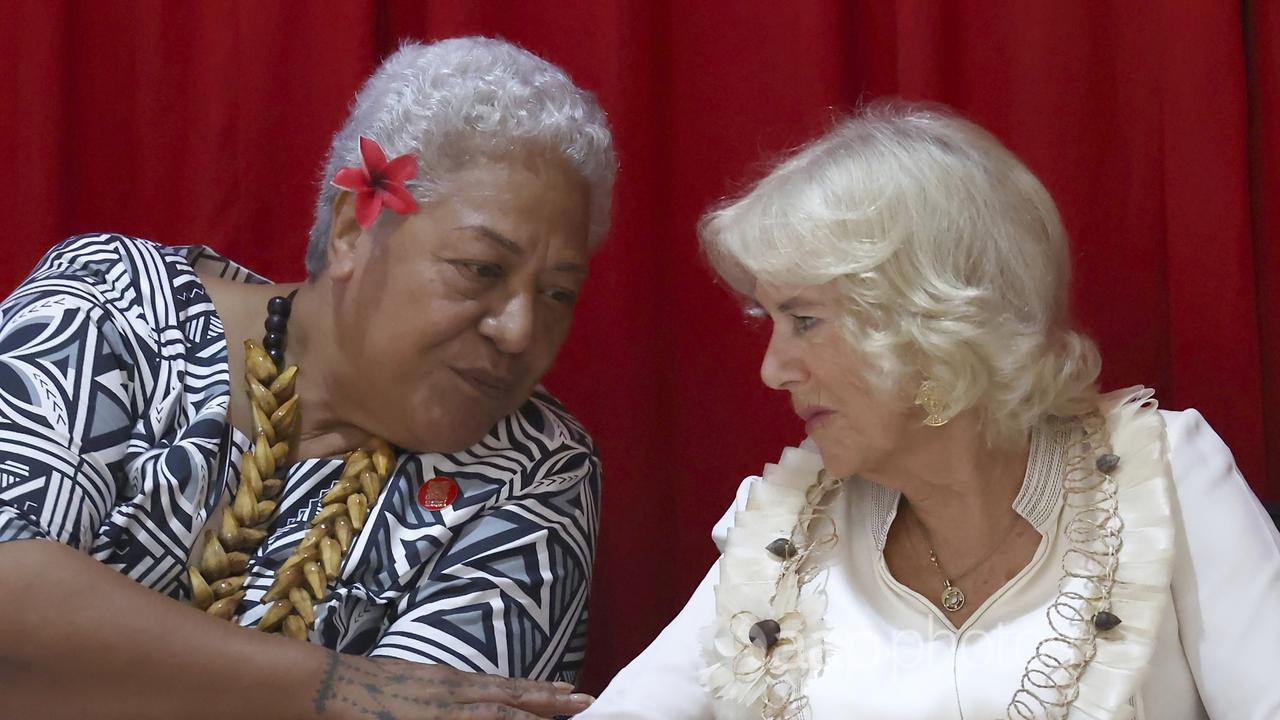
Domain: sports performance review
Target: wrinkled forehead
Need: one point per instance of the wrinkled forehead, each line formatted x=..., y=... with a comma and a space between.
x=526, y=210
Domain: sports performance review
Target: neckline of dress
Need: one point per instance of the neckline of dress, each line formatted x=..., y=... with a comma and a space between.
x=202, y=258
x=1039, y=499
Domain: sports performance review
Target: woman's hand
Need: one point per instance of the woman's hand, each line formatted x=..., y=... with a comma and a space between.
x=359, y=688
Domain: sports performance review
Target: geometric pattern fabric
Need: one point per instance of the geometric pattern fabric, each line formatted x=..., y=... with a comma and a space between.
x=114, y=440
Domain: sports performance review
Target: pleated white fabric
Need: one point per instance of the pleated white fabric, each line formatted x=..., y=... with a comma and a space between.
x=1199, y=596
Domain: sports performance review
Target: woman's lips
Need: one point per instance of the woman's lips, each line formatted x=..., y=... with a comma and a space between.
x=485, y=382
x=813, y=416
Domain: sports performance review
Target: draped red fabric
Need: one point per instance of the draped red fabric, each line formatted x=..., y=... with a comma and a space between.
x=1156, y=127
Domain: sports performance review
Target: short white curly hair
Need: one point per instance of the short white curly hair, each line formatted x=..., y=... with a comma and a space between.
x=461, y=99
x=950, y=255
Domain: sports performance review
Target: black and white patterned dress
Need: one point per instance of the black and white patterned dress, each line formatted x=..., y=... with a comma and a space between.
x=114, y=388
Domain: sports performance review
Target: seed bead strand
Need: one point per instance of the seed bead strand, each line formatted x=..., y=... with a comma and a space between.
x=303, y=578
x=217, y=584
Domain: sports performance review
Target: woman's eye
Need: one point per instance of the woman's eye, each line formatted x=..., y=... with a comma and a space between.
x=803, y=323
x=560, y=295
x=481, y=270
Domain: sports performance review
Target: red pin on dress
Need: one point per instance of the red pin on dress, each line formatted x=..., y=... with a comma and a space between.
x=437, y=493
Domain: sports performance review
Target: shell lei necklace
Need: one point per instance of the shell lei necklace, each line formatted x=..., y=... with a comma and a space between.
x=768, y=636
x=217, y=585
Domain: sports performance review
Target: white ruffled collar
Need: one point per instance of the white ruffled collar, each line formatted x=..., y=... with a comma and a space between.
x=1140, y=596
x=1092, y=675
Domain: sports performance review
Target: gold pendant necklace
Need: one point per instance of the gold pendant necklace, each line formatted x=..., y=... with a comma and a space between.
x=952, y=596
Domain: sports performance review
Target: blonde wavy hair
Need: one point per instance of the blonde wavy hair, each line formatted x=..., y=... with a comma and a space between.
x=949, y=254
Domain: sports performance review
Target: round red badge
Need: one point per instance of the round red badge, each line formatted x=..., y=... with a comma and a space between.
x=437, y=493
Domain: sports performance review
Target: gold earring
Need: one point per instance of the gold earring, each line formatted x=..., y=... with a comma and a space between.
x=926, y=399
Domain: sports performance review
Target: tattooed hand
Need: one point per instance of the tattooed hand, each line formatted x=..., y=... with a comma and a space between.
x=360, y=688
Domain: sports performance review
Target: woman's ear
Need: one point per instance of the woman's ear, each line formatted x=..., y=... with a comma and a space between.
x=344, y=234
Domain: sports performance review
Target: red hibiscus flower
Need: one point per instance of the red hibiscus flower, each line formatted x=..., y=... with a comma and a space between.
x=378, y=182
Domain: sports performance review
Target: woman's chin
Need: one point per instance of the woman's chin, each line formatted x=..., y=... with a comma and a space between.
x=837, y=463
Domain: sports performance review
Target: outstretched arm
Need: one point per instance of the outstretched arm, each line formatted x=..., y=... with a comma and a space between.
x=80, y=640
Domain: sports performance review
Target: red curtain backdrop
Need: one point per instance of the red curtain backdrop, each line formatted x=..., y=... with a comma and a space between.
x=1155, y=125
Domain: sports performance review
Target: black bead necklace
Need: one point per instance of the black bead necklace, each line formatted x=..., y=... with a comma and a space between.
x=276, y=326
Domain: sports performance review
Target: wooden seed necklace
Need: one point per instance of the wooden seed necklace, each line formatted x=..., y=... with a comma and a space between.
x=217, y=584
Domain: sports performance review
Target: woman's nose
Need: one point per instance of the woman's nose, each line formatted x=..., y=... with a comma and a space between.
x=511, y=327
x=779, y=367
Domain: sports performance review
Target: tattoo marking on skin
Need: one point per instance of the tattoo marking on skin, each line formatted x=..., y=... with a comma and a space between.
x=325, y=691
x=368, y=687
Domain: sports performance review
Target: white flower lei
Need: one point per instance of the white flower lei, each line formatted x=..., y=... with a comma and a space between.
x=784, y=511
x=1120, y=519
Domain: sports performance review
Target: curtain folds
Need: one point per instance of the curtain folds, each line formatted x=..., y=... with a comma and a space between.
x=1157, y=129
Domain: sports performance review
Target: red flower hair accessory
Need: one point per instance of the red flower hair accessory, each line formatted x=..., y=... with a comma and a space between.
x=378, y=182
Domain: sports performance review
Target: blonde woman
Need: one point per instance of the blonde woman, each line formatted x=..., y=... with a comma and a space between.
x=970, y=530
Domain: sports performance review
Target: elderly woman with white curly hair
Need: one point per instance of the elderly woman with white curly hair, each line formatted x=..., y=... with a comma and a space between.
x=360, y=472
x=970, y=530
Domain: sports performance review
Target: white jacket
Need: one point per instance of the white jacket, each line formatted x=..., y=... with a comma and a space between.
x=1210, y=648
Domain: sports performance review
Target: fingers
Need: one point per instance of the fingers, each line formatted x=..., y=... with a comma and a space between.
x=490, y=711
x=467, y=693
x=543, y=699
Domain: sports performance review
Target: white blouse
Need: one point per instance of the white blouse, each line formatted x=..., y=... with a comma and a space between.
x=1212, y=649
